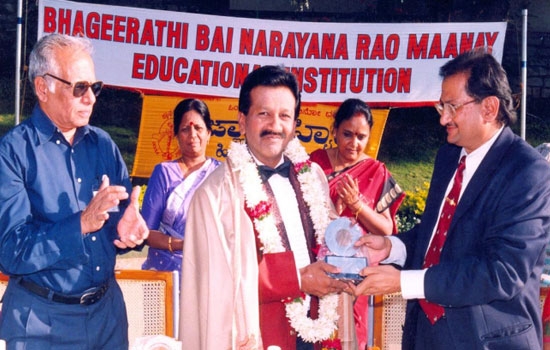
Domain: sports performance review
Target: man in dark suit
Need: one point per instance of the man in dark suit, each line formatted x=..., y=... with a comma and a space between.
x=485, y=279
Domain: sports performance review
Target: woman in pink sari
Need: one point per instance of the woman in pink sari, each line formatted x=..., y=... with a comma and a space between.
x=360, y=187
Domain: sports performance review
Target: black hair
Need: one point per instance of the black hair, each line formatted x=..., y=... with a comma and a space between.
x=191, y=104
x=268, y=76
x=486, y=77
x=349, y=108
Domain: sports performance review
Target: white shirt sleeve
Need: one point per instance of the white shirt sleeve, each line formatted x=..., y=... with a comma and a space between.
x=412, y=284
x=398, y=252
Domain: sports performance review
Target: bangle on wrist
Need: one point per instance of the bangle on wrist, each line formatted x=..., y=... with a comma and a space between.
x=170, y=244
x=358, y=211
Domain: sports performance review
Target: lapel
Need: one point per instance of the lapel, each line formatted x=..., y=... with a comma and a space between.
x=307, y=223
x=445, y=166
x=493, y=161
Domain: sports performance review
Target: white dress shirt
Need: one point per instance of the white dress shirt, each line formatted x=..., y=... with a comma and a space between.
x=290, y=214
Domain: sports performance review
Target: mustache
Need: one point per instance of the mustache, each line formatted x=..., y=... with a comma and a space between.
x=271, y=132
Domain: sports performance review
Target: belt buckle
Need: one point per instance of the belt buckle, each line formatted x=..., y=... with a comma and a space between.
x=90, y=298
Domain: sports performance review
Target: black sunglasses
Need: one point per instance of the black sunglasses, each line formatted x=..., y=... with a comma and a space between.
x=80, y=87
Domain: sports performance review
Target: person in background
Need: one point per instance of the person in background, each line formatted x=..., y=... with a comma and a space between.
x=64, y=211
x=172, y=185
x=472, y=267
x=252, y=230
x=361, y=188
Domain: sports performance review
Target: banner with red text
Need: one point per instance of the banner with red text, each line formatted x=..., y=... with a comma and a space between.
x=384, y=64
x=156, y=141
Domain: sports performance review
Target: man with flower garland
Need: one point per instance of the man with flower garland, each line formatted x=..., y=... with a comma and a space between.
x=252, y=237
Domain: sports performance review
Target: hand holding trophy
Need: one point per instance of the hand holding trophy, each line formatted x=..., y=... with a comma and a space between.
x=340, y=236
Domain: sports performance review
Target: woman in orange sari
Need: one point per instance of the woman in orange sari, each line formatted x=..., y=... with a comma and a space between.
x=360, y=187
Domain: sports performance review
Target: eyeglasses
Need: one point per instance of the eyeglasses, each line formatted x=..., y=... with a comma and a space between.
x=80, y=87
x=451, y=108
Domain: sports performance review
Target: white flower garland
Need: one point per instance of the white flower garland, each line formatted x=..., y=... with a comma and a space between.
x=256, y=198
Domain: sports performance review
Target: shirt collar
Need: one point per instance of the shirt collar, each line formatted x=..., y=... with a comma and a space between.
x=46, y=129
x=474, y=159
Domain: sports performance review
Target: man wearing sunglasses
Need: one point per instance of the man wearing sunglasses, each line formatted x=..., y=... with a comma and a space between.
x=65, y=211
x=471, y=268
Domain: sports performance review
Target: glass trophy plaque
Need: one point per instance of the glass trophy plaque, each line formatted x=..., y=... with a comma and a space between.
x=340, y=237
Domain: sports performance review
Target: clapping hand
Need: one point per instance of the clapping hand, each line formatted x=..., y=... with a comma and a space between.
x=132, y=229
x=93, y=217
x=348, y=193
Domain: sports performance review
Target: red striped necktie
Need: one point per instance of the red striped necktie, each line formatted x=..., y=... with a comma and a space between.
x=435, y=311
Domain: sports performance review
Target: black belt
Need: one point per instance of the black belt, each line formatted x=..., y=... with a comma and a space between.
x=89, y=297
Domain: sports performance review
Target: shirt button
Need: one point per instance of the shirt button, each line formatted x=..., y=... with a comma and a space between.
x=79, y=180
x=94, y=238
x=97, y=268
x=57, y=142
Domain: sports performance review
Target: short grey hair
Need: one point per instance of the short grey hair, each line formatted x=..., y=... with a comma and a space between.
x=42, y=57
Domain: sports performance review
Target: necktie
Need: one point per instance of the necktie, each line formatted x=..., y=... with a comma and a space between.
x=282, y=170
x=434, y=311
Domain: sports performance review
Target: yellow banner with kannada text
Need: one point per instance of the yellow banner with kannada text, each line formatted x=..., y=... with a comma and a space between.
x=157, y=143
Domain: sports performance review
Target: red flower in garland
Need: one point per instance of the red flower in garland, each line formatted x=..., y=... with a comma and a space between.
x=302, y=167
x=260, y=211
x=331, y=344
x=292, y=299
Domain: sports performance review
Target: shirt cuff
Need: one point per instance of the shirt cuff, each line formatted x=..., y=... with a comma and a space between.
x=398, y=252
x=412, y=284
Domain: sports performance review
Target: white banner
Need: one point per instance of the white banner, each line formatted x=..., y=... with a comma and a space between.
x=383, y=64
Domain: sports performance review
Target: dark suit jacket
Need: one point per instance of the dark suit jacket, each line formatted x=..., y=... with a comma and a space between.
x=488, y=275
